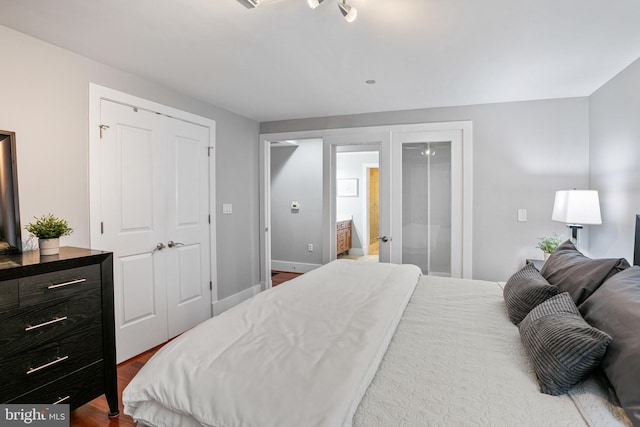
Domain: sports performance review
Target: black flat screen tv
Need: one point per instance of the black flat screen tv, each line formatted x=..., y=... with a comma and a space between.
x=10, y=232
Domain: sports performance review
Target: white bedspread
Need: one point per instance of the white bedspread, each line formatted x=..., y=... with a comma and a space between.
x=456, y=360
x=302, y=354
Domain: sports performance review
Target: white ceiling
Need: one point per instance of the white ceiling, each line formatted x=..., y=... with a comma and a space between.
x=285, y=61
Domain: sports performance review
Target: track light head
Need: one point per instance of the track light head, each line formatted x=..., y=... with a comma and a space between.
x=350, y=13
x=314, y=3
x=249, y=4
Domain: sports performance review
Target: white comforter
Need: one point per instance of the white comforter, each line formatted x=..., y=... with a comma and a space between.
x=457, y=360
x=302, y=354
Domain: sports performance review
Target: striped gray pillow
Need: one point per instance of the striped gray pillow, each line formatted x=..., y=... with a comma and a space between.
x=525, y=290
x=561, y=345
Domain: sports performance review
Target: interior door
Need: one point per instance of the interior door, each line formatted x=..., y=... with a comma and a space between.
x=187, y=252
x=155, y=218
x=427, y=188
x=133, y=188
x=369, y=141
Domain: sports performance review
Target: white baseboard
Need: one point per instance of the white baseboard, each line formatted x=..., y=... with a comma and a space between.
x=293, y=267
x=223, y=305
x=356, y=252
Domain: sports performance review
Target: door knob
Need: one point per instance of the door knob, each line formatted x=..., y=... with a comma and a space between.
x=172, y=244
x=160, y=246
x=384, y=239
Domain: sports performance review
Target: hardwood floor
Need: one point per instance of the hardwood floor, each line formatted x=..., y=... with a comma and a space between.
x=278, y=277
x=94, y=413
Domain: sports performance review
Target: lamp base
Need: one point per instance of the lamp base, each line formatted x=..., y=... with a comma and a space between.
x=574, y=232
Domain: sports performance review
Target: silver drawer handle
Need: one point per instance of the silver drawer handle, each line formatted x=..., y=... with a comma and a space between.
x=60, y=400
x=56, y=320
x=73, y=282
x=58, y=360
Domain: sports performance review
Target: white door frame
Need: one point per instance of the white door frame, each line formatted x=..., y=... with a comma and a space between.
x=98, y=93
x=465, y=127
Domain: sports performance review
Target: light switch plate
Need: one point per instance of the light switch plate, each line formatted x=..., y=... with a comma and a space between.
x=227, y=208
x=522, y=215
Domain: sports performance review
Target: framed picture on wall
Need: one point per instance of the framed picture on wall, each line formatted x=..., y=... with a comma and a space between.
x=348, y=187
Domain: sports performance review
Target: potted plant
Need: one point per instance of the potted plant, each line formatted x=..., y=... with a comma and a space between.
x=549, y=244
x=48, y=229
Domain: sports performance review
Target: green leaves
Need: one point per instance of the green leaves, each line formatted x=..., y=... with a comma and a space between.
x=549, y=244
x=49, y=227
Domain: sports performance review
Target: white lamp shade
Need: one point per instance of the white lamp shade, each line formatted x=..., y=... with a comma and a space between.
x=577, y=207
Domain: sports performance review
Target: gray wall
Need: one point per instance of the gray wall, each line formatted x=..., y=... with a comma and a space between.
x=45, y=98
x=523, y=152
x=296, y=174
x=614, y=156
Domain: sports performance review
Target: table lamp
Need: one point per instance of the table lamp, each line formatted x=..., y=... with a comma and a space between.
x=576, y=208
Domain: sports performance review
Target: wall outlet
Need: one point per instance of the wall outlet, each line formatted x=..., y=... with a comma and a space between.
x=310, y=247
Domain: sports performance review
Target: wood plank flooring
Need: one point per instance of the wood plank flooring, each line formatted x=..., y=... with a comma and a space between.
x=94, y=413
x=278, y=277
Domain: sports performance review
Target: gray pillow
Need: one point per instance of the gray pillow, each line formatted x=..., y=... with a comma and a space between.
x=561, y=345
x=571, y=271
x=525, y=290
x=615, y=309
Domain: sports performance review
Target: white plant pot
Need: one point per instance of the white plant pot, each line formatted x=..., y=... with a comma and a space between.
x=49, y=246
x=546, y=255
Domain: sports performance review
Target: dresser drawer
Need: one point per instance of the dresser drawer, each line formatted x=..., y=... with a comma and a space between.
x=9, y=298
x=33, y=326
x=342, y=225
x=59, y=284
x=27, y=370
x=74, y=389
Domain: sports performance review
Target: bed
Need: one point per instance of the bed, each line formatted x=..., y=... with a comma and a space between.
x=362, y=344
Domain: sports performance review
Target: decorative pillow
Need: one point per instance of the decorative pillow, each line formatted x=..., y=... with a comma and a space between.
x=525, y=290
x=615, y=309
x=571, y=271
x=561, y=345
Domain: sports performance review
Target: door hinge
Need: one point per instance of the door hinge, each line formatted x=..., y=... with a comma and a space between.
x=209, y=218
x=210, y=285
x=101, y=227
x=102, y=129
x=209, y=151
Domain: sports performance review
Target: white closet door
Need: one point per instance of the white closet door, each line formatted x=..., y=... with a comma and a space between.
x=133, y=188
x=155, y=214
x=187, y=253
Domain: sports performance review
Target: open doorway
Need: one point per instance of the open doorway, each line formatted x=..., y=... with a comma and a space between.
x=357, y=202
x=295, y=207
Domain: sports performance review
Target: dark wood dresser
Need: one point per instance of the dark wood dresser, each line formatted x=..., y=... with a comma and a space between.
x=57, y=333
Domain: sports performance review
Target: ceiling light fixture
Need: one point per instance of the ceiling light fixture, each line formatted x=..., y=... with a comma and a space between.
x=249, y=4
x=314, y=3
x=350, y=13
